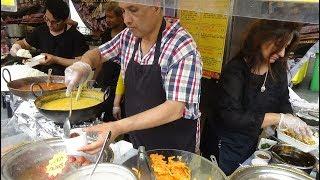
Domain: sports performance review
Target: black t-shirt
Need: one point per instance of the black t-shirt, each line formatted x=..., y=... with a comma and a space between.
x=69, y=44
x=242, y=105
x=109, y=73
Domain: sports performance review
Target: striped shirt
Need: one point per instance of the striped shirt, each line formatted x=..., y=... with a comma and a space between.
x=180, y=62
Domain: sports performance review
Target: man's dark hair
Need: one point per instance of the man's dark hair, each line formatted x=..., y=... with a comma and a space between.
x=58, y=8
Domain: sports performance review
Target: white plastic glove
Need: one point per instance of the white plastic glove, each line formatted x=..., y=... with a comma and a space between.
x=288, y=121
x=75, y=74
x=116, y=111
x=14, y=49
x=270, y=131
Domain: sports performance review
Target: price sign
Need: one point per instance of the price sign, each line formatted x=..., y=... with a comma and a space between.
x=57, y=164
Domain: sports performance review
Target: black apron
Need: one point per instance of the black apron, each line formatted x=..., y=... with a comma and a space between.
x=143, y=91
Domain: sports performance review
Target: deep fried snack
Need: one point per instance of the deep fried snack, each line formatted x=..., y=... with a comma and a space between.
x=304, y=139
x=169, y=170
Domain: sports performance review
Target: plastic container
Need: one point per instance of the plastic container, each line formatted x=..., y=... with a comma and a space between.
x=314, y=86
x=258, y=162
x=74, y=143
x=262, y=155
x=296, y=143
x=266, y=141
x=300, y=74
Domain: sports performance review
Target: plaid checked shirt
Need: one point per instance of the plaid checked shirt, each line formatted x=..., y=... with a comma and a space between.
x=180, y=62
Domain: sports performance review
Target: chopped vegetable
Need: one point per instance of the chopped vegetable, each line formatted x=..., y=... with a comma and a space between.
x=265, y=146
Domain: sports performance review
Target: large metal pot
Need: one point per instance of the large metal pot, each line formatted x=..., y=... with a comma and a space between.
x=289, y=155
x=31, y=154
x=16, y=30
x=78, y=116
x=15, y=85
x=271, y=172
x=200, y=167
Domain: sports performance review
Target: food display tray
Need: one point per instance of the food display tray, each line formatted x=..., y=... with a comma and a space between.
x=296, y=143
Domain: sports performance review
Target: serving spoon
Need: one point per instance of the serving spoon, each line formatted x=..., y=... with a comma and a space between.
x=66, y=124
x=49, y=76
x=107, y=139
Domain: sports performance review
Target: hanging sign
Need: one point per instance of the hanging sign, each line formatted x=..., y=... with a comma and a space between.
x=209, y=31
x=9, y=5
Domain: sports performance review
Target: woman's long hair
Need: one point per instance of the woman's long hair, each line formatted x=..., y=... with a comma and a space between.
x=269, y=31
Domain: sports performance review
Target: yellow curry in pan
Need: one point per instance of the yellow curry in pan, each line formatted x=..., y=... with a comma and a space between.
x=63, y=104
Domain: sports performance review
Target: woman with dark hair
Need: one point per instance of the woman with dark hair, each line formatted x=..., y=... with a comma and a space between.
x=254, y=94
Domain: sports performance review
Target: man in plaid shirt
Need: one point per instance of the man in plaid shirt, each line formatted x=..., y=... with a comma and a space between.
x=162, y=69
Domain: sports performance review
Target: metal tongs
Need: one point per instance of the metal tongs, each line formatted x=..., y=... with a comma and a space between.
x=145, y=171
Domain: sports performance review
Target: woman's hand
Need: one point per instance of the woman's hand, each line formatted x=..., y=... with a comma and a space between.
x=288, y=121
x=101, y=129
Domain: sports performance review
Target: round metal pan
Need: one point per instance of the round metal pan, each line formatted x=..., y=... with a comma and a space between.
x=15, y=85
x=78, y=116
x=200, y=167
x=293, y=157
x=270, y=172
x=31, y=154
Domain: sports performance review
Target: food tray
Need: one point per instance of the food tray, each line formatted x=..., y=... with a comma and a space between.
x=265, y=140
x=296, y=143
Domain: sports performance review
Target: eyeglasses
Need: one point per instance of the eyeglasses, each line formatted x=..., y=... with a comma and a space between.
x=54, y=22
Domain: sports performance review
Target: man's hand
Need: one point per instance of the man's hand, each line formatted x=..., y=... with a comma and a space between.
x=101, y=129
x=14, y=49
x=49, y=59
x=76, y=74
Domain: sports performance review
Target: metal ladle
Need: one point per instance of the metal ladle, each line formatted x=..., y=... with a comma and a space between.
x=107, y=139
x=66, y=124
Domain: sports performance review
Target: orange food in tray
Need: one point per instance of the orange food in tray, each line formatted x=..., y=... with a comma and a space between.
x=45, y=86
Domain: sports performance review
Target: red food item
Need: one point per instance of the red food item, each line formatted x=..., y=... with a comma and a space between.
x=72, y=135
x=71, y=159
x=80, y=160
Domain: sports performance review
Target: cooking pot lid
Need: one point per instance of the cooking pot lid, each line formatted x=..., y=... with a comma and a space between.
x=270, y=172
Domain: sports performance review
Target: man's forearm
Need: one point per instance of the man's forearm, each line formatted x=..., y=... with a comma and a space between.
x=92, y=57
x=167, y=112
x=23, y=44
x=64, y=61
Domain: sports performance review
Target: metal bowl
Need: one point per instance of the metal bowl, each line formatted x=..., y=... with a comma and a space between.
x=15, y=85
x=102, y=172
x=79, y=115
x=24, y=157
x=200, y=167
x=270, y=172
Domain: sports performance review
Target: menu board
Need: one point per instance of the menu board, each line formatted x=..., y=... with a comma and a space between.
x=209, y=31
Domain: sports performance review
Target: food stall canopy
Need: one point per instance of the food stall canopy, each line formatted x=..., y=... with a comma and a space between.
x=304, y=11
